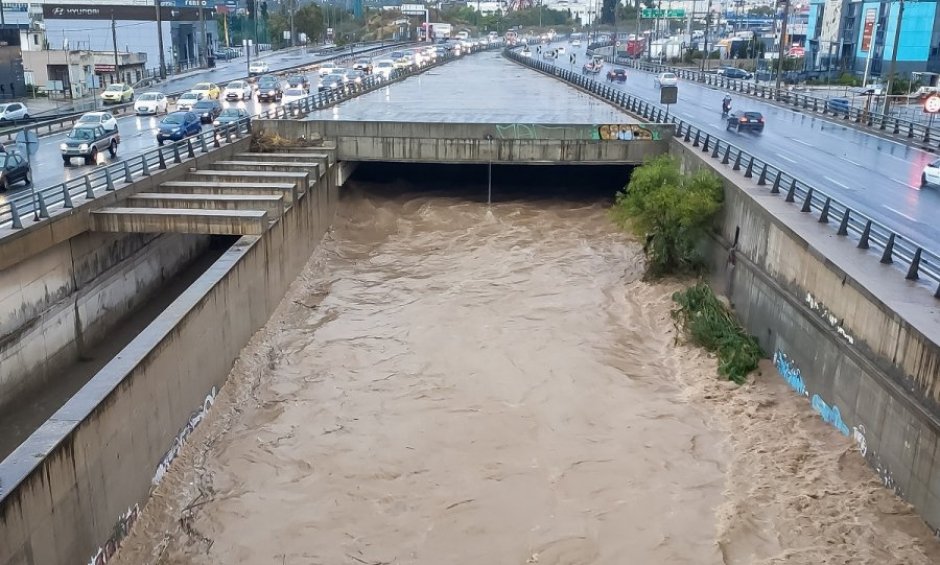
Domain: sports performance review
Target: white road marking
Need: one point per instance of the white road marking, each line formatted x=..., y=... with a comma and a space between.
x=902, y=214
x=853, y=162
x=800, y=141
x=903, y=183
x=785, y=158
x=837, y=183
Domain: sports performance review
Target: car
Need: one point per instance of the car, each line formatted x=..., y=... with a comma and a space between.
x=103, y=119
x=258, y=68
x=333, y=82
x=13, y=169
x=526, y=52
x=187, y=100
x=665, y=79
x=117, y=93
x=292, y=94
x=86, y=141
x=207, y=110
x=237, y=90
x=560, y=49
x=734, y=72
x=746, y=121
x=838, y=105
x=354, y=78
x=151, y=103
x=232, y=115
x=269, y=89
x=209, y=90
x=576, y=43
x=931, y=174
x=384, y=68
x=364, y=65
x=618, y=75
x=299, y=81
x=402, y=61
x=13, y=111
x=326, y=68
x=177, y=126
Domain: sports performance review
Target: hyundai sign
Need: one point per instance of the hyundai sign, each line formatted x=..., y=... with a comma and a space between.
x=413, y=9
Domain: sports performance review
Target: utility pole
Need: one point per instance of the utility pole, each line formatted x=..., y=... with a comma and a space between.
x=782, y=40
x=894, y=58
x=156, y=4
x=3, y=21
x=117, y=70
x=708, y=20
x=292, y=34
x=203, y=48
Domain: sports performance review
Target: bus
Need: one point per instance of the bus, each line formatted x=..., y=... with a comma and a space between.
x=511, y=37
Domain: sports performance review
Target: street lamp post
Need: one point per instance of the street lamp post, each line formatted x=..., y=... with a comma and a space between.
x=782, y=41
x=894, y=58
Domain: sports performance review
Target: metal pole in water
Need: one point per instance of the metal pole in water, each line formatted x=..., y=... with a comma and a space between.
x=489, y=183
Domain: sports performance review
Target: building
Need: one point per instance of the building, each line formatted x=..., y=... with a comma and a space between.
x=843, y=34
x=68, y=73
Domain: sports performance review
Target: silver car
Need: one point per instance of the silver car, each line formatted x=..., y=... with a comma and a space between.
x=665, y=79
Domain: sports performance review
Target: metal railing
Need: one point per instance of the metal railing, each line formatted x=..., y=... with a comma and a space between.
x=58, y=124
x=911, y=257
x=41, y=202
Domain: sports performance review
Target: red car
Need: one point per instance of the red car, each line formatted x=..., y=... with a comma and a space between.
x=618, y=75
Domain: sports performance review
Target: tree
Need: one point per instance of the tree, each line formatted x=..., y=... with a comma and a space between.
x=607, y=11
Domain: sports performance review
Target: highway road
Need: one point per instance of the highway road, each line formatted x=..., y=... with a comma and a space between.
x=138, y=134
x=878, y=177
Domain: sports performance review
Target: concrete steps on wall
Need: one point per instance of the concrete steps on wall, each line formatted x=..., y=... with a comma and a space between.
x=312, y=168
x=324, y=159
x=174, y=220
x=300, y=179
x=273, y=204
x=287, y=190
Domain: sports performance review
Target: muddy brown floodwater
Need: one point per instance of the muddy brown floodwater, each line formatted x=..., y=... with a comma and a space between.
x=452, y=383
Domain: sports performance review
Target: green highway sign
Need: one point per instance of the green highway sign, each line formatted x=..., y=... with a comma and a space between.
x=649, y=13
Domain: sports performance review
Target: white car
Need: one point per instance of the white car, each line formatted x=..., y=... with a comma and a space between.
x=384, y=68
x=151, y=103
x=665, y=79
x=327, y=68
x=292, y=94
x=576, y=43
x=258, y=68
x=560, y=49
x=94, y=119
x=187, y=100
x=237, y=90
x=931, y=174
x=13, y=111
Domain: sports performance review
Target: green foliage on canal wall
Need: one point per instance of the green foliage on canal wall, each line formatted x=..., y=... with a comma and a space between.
x=710, y=324
x=672, y=211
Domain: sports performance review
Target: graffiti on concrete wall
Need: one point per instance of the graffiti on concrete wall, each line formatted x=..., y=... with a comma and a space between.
x=121, y=529
x=627, y=132
x=180, y=440
x=829, y=414
x=829, y=317
x=532, y=131
x=790, y=372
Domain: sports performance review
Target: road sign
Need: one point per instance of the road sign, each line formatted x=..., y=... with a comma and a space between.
x=668, y=95
x=650, y=13
x=27, y=141
x=932, y=104
x=413, y=9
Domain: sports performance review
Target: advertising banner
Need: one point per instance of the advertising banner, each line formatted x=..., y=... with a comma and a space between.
x=868, y=30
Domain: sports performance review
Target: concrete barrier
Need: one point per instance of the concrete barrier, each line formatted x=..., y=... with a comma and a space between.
x=89, y=467
x=855, y=341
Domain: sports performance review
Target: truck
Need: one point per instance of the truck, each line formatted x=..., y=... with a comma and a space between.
x=440, y=30
x=631, y=48
x=87, y=141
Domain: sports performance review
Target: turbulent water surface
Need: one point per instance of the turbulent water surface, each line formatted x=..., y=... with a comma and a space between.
x=451, y=382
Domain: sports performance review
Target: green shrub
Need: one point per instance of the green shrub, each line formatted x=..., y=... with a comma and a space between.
x=709, y=324
x=671, y=211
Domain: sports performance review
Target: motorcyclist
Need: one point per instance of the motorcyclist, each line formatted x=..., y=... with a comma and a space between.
x=726, y=106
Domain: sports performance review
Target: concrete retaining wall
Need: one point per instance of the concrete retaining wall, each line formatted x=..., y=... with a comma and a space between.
x=88, y=467
x=570, y=144
x=852, y=337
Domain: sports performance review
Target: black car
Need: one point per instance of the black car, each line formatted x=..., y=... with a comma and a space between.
x=746, y=121
x=15, y=168
x=269, y=89
x=232, y=115
x=734, y=72
x=333, y=82
x=207, y=110
x=619, y=75
x=299, y=81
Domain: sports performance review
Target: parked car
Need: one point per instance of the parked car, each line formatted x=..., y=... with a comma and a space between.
x=177, y=126
x=327, y=67
x=618, y=75
x=746, y=121
x=187, y=100
x=13, y=169
x=237, y=90
x=103, y=119
x=151, y=103
x=364, y=65
x=384, y=68
x=665, y=79
x=258, y=68
x=208, y=90
x=734, y=72
x=13, y=111
x=299, y=81
x=232, y=115
x=117, y=93
x=207, y=110
x=293, y=94
x=86, y=141
x=838, y=105
x=269, y=89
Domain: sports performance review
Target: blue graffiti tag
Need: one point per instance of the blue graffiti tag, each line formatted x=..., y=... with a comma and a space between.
x=830, y=414
x=789, y=371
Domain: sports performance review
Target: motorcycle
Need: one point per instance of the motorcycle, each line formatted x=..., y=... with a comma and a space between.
x=725, y=108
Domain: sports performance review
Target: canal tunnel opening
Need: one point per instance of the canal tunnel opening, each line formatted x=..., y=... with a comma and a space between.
x=589, y=183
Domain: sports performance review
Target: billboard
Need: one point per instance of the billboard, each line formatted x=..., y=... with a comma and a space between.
x=868, y=29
